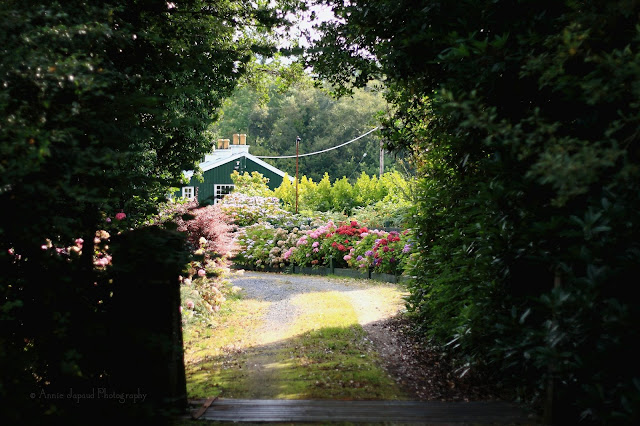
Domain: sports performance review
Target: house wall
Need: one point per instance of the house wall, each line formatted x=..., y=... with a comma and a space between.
x=275, y=180
x=221, y=175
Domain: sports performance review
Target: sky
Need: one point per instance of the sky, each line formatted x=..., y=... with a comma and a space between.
x=323, y=13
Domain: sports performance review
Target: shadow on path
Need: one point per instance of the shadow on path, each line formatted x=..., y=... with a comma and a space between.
x=301, y=377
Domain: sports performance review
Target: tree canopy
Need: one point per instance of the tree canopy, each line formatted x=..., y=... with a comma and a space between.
x=102, y=106
x=522, y=117
x=273, y=116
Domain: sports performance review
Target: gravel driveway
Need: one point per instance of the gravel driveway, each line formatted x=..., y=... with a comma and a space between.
x=422, y=373
x=369, y=299
x=373, y=303
x=266, y=347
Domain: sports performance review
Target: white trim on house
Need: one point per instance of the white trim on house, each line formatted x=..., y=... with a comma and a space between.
x=208, y=165
x=220, y=157
x=220, y=190
x=188, y=192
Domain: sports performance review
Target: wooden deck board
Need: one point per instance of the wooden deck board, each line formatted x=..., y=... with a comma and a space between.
x=244, y=410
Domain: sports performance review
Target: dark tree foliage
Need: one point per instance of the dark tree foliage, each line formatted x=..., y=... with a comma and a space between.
x=523, y=118
x=102, y=105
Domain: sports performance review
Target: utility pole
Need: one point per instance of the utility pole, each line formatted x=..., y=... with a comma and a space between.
x=381, y=158
x=297, y=146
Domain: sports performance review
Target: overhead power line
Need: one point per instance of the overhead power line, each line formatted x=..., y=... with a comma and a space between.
x=357, y=165
x=324, y=150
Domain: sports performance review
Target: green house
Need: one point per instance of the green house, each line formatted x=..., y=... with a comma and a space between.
x=218, y=167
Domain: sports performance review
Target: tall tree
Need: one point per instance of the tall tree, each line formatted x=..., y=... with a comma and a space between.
x=102, y=105
x=523, y=118
x=274, y=121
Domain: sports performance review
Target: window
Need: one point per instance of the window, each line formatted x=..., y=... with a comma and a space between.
x=221, y=191
x=188, y=192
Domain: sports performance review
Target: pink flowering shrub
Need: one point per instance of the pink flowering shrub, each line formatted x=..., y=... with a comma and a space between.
x=309, y=250
x=363, y=254
x=202, y=297
x=118, y=222
x=350, y=245
x=383, y=252
x=340, y=243
x=207, y=222
x=203, y=282
x=98, y=246
x=391, y=253
x=204, y=289
x=263, y=246
x=358, y=248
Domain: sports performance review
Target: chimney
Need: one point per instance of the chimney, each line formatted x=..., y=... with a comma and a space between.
x=243, y=139
x=220, y=143
x=235, y=138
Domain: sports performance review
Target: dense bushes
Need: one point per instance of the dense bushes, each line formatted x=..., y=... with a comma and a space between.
x=245, y=210
x=342, y=196
x=372, y=201
x=206, y=228
x=102, y=105
x=522, y=119
x=277, y=238
x=203, y=282
x=347, y=246
x=263, y=246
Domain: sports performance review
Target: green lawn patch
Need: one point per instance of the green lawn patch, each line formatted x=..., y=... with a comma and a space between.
x=323, y=354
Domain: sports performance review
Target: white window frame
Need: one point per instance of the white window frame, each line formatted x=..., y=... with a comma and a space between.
x=188, y=192
x=217, y=191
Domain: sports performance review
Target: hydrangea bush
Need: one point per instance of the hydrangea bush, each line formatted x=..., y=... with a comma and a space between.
x=348, y=244
x=339, y=244
x=363, y=254
x=246, y=210
x=390, y=253
x=264, y=246
x=309, y=249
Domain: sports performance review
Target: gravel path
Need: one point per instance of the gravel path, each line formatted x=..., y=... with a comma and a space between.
x=372, y=302
x=368, y=300
x=260, y=366
x=421, y=372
